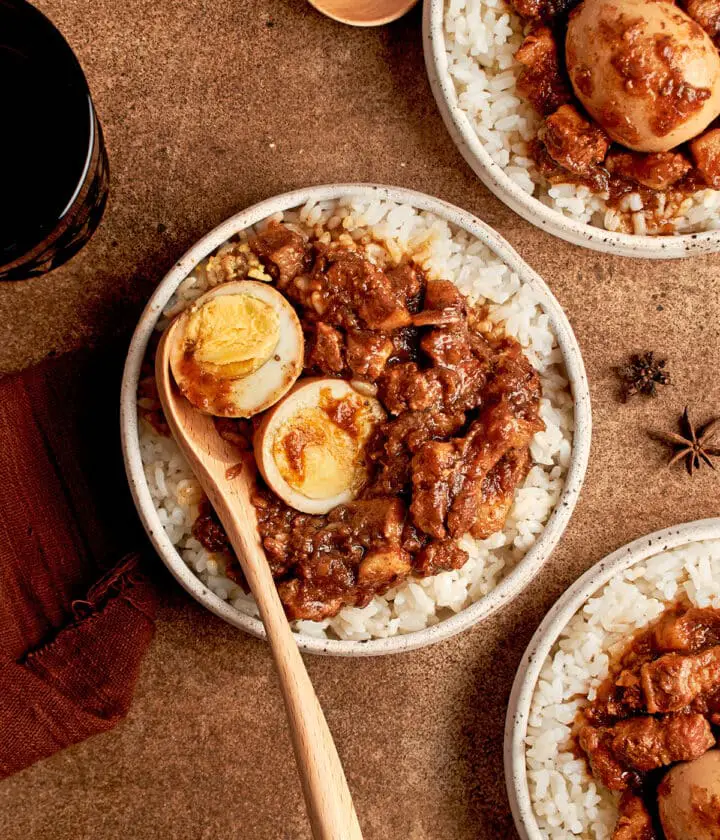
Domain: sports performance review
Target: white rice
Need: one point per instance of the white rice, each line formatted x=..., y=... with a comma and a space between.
x=566, y=800
x=481, y=38
x=445, y=252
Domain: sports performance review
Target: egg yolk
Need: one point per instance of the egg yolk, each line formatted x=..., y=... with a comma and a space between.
x=233, y=335
x=319, y=451
x=316, y=457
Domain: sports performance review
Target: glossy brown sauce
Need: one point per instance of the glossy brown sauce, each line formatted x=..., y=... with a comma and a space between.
x=201, y=388
x=344, y=412
x=294, y=443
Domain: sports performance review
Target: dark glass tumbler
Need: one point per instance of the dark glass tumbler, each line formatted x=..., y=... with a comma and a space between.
x=53, y=164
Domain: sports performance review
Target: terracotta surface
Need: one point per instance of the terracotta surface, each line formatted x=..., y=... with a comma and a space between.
x=208, y=106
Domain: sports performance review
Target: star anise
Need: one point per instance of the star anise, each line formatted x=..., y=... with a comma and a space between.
x=696, y=444
x=642, y=375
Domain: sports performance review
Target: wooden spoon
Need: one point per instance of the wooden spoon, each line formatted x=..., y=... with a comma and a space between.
x=227, y=477
x=364, y=12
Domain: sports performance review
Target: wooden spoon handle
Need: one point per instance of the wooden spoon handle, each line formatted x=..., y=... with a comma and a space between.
x=327, y=796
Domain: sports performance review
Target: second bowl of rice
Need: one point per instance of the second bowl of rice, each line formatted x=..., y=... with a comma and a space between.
x=447, y=243
x=470, y=48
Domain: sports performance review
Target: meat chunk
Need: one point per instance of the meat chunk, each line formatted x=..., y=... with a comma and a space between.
x=618, y=755
x=464, y=354
x=406, y=281
x=635, y=821
x=572, y=141
x=541, y=9
x=304, y=601
x=376, y=517
x=542, y=81
x=440, y=556
x=645, y=743
x=386, y=566
x=380, y=300
x=383, y=309
x=460, y=366
x=401, y=438
x=368, y=352
x=500, y=428
x=449, y=478
x=597, y=178
x=673, y=681
x=687, y=630
x=282, y=251
x=515, y=382
x=413, y=428
x=605, y=766
x=345, y=560
x=443, y=305
x=436, y=480
x=405, y=387
x=498, y=492
x=343, y=289
x=208, y=531
x=326, y=350
x=707, y=14
x=706, y=154
x=658, y=170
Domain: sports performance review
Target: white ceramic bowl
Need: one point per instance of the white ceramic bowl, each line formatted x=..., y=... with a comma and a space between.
x=547, y=634
x=525, y=205
x=518, y=578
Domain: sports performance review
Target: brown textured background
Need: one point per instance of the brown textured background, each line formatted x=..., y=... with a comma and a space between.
x=209, y=106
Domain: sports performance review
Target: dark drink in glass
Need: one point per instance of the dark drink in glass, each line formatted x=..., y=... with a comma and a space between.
x=53, y=165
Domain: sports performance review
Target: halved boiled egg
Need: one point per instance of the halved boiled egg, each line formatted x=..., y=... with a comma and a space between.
x=237, y=350
x=311, y=448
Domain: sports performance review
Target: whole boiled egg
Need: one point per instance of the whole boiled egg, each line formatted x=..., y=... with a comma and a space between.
x=644, y=70
x=689, y=799
x=311, y=447
x=237, y=350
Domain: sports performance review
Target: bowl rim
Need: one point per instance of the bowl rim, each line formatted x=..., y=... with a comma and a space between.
x=528, y=673
x=538, y=554
x=526, y=205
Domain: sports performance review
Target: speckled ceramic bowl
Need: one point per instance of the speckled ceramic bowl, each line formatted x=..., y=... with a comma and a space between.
x=516, y=723
x=518, y=578
x=525, y=205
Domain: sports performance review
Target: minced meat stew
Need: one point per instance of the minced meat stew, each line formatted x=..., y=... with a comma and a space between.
x=462, y=402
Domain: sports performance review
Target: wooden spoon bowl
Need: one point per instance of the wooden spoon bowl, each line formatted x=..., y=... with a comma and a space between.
x=364, y=12
x=227, y=476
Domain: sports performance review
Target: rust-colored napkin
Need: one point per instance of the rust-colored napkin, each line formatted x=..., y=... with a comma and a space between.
x=76, y=614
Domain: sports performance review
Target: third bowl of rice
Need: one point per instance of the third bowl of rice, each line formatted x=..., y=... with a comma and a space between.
x=553, y=793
